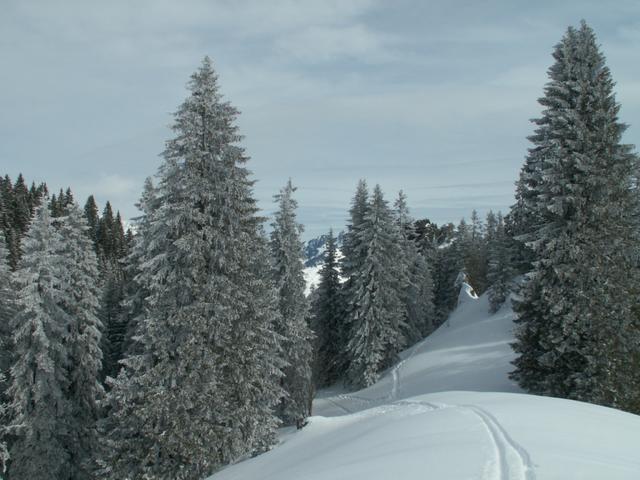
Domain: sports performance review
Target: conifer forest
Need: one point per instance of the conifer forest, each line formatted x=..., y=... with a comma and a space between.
x=189, y=341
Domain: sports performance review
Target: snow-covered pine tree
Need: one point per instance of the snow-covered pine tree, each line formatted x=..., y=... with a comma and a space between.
x=375, y=319
x=78, y=289
x=4, y=451
x=297, y=350
x=20, y=208
x=142, y=248
x=328, y=318
x=93, y=219
x=578, y=330
x=7, y=311
x=40, y=407
x=501, y=270
x=491, y=228
x=415, y=274
x=352, y=262
x=105, y=234
x=113, y=319
x=521, y=218
x=475, y=254
x=202, y=391
x=449, y=262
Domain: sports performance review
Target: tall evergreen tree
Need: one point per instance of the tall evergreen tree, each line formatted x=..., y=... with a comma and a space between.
x=501, y=271
x=449, y=262
x=354, y=253
x=21, y=205
x=4, y=451
x=376, y=315
x=40, y=407
x=286, y=251
x=202, y=391
x=91, y=214
x=113, y=320
x=578, y=333
x=79, y=301
x=475, y=254
x=105, y=235
x=20, y=208
x=417, y=292
x=141, y=247
x=54, y=386
x=7, y=311
x=119, y=240
x=328, y=319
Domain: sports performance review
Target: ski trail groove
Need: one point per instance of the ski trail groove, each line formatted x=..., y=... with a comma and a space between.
x=395, y=372
x=512, y=460
x=336, y=404
x=395, y=384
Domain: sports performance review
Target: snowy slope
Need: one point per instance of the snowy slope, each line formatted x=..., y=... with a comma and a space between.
x=417, y=422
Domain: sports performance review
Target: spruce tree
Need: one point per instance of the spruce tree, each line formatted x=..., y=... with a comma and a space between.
x=449, y=262
x=415, y=274
x=21, y=205
x=91, y=214
x=328, y=318
x=105, y=234
x=119, y=240
x=113, y=320
x=578, y=332
x=54, y=389
x=79, y=301
x=352, y=262
x=140, y=247
x=7, y=312
x=375, y=320
x=4, y=451
x=40, y=407
x=286, y=252
x=475, y=254
x=501, y=271
x=19, y=219
x=202, y=391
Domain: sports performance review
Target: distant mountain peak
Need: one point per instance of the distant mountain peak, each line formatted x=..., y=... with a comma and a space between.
x=314, y=249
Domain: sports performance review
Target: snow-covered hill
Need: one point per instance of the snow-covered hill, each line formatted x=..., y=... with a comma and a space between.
x=447, y=410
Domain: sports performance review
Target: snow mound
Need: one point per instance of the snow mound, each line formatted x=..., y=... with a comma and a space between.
x=417, y=422
x=467, y=294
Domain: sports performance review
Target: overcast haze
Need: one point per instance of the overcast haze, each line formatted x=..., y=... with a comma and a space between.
x=432, y=97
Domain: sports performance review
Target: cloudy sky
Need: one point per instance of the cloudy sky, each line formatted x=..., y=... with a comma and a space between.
x=433, y=97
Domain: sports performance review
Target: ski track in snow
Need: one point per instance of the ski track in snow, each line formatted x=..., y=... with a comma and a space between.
x=512, y=461
x=395, y=373
x=336, y=404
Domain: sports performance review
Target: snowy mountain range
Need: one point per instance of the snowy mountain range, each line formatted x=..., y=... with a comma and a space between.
x=314, y=249
x=448, y=410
